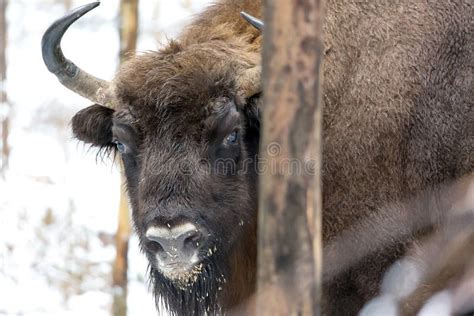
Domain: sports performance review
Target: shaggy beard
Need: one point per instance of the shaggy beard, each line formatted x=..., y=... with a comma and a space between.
x=196, y=294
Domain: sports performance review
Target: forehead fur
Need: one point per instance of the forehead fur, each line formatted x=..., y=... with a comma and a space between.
x=181, y=79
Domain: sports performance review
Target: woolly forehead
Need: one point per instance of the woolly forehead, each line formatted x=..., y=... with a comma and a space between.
x=160, y=91
x=177, y=77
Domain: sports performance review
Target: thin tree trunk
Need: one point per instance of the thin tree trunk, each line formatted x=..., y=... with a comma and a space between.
x=128, y=42
x=290, y=249
x=128, y=28
x=5, y=124
x=67, y=5
x=120, y=279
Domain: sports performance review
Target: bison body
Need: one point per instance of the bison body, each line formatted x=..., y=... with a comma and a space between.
x=398, y=120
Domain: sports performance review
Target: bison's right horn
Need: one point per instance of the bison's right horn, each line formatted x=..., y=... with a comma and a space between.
x=258, y=24
x=71, y=76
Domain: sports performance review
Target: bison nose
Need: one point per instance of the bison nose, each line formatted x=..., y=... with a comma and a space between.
x=176, y=244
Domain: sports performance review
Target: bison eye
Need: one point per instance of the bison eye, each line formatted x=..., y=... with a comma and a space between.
x=232, y=138
x=120, y=147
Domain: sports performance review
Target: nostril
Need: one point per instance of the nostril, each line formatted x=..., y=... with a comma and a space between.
x=154, y=246
x=180, y=241
x=193, y=241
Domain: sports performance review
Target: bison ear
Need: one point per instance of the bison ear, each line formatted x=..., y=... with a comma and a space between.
x=93, y=125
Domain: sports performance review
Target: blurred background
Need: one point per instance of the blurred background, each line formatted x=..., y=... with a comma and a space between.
x=63, y=248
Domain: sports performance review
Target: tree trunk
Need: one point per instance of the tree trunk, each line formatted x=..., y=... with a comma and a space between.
x=67, y=5
x=128, y=28
x=128, y=42
x=4, y=104
x=121, y=261
x=290, y=247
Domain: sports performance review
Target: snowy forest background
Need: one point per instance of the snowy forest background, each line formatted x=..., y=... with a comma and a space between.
x=58, y=201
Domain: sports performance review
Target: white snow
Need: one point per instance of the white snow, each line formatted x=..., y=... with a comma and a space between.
x=381, y=305
x=402, y=278
x=438, y=305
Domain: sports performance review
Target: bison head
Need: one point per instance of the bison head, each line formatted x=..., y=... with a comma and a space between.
x=185, y=121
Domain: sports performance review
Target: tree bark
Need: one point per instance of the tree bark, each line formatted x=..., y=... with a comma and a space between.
x=128, y=43
x=290, y=247
x=5, y=121
x=120, y=278
x=128, y=28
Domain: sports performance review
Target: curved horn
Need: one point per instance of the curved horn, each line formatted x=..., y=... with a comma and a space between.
x=249, y=82
x=71, y=76
x=258, y=24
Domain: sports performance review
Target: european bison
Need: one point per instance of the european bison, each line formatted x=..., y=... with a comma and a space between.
x=398, y=120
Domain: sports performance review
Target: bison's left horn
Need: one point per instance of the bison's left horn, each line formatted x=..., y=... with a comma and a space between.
x=249, y=82
x=258, y=24
x=71, y=76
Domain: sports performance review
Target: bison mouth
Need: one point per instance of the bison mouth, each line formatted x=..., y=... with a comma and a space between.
x=189, y=289
x=183, y=274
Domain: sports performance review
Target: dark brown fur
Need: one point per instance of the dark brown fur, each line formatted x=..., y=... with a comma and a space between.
x=398, y=120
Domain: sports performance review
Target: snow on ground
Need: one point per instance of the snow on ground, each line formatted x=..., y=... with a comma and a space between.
x=58, y=200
